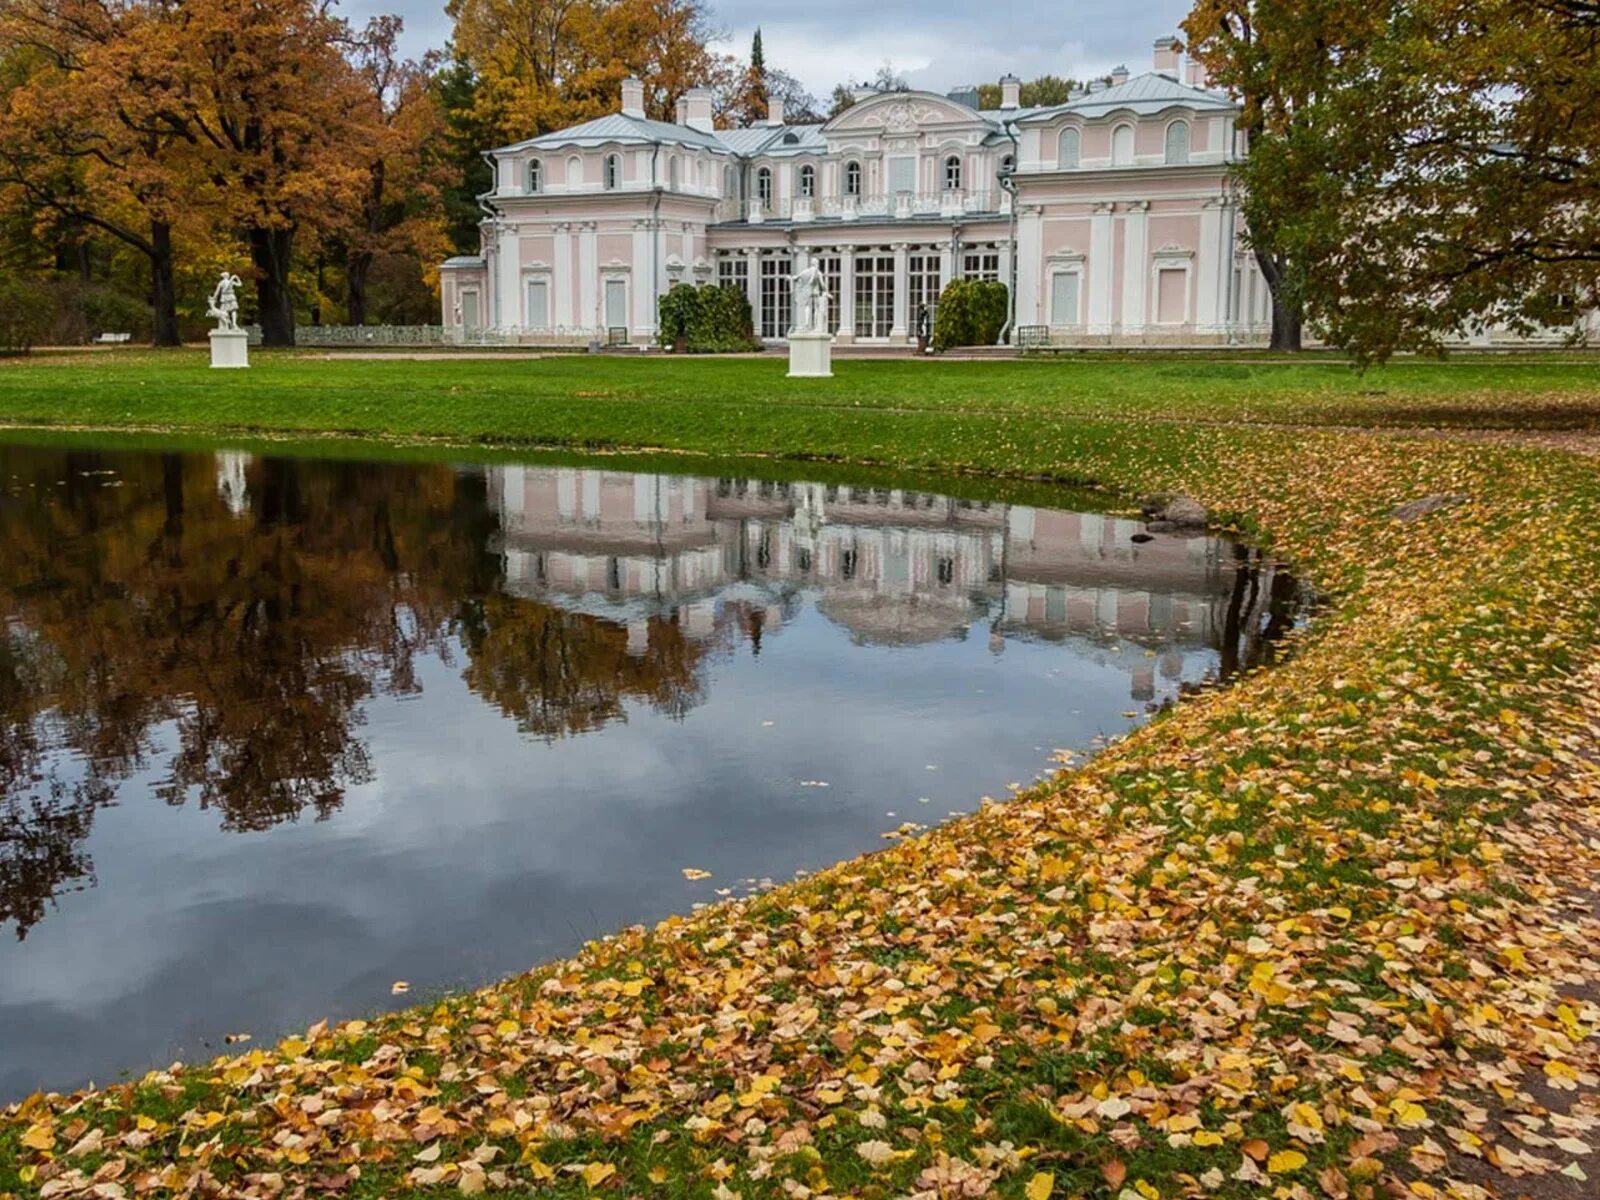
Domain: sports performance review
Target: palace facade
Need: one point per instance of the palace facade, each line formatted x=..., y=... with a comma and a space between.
x=1111, y=216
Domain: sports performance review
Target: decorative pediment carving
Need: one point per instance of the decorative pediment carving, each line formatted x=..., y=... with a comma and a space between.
x=901, y=112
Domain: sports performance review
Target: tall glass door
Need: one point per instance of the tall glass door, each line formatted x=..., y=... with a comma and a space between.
x=874, y=295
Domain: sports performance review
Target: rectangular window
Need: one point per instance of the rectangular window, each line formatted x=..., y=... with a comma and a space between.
x=902, y=174
x=616, y=303
x=1064, y=298
x=981, y=264
x=923, y=285
x=828, y=264
x=469, y=310
x=874, y=295
x=733, y=270
x=776, y=309
x=538, y=304
x=1172, y=285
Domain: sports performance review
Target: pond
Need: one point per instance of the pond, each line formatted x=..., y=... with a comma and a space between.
x=277, y=733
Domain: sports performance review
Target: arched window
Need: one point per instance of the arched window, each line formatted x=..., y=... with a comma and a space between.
x=1177, y=143
x=613, y=176
x=1008, y=164
x=1069, y=148
x=764, y=185
x=535, y=175
x=574, y=173
x=1122, y=146
x=808, y=181
x=952, y=173
x=852, y=179
x=674, y=172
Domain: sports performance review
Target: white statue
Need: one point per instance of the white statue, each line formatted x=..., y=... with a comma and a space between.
x=808, y=291
x=224, y=302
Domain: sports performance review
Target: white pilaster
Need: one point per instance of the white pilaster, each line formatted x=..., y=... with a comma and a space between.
x=902, y=291
x=1101, y=265
x=752, y=282
x=562, y=283
x=643, y=301
x=1209, y=256
x=1135, y=266
x=1029, y=260
x=847, y=294
x=509, y=281
x=588, y=277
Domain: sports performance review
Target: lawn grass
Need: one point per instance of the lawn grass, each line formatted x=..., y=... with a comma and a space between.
x=1321, y=933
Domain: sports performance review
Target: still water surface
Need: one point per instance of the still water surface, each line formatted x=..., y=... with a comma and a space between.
x=276, y=733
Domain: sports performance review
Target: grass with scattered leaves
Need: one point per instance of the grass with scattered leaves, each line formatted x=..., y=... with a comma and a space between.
x=1328, y=932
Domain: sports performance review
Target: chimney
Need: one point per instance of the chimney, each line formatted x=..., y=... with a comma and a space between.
x=697, y=109
x=680, y=112
x=774, y=110
x=1195, y=73
x=1167, y=51
x=1119, y=76
x=633, y=97
x=1010, y=91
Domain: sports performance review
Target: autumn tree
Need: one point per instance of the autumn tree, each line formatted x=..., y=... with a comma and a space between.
x=1046, y=91
x=400, y=210
x=89, y=138
x=1467, y=145
x=544, y=64
x=1282, y=61
x=845, y=94
x=273, y=116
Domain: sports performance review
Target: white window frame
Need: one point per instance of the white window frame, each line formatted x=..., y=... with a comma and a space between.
x=607, y=278
x=950, y=173
x=1188, y=142
x=764, y=186
x=808, y=181
x=1062, y=163
x=1133, y=144
x=853, y=176
x=535, y=176
x=575, y=180
x=611, y=171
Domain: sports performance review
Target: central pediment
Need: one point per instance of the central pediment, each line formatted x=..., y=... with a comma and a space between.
x=901, y=112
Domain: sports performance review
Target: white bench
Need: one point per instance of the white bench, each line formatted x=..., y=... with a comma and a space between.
x=112, y=339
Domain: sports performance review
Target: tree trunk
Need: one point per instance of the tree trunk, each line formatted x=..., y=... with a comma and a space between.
x=270, y=250
x=163, y=291
x=1286, y=317
x=1286, y=326
x=355, y=288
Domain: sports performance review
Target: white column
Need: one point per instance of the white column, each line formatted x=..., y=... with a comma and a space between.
x=1029, y=261
x=902, y=291
x=847, y=294
x=947, y=265
x=588, y=277
x=643, y=301
x=509, y=282
x=753, y=283
x=561, y=284
x=1135, y=265
x=1209, y=264
x=1101, y=264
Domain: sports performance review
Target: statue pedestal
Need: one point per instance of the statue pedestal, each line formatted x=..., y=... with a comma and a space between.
x=811, y=356
x=230, y=348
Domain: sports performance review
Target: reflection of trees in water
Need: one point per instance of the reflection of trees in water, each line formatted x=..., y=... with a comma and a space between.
x=1262, y=605
x=557, y=672
x=147, y=625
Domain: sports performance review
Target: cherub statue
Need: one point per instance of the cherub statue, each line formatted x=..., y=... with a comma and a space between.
x=224, y=302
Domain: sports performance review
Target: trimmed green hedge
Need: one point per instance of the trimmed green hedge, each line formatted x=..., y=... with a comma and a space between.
x=707, y=320
x=971, y=313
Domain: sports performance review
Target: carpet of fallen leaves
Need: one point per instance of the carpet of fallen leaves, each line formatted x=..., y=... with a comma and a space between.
x=1330, y=932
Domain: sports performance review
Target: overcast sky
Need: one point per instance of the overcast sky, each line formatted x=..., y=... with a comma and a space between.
x=936, y=44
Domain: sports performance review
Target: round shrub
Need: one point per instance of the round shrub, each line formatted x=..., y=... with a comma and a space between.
x=971, y=312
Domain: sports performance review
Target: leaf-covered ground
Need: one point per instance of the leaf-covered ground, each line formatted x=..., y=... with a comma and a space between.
x=1334, y=931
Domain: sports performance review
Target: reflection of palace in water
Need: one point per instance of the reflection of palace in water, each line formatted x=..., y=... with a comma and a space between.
x=889, y=565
